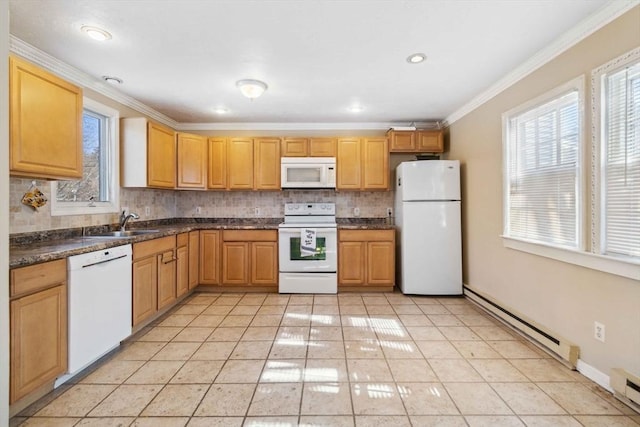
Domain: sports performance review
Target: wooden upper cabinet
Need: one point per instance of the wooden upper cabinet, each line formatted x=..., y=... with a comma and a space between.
x=375, y=164
x=349, y=164
x=161, y=156
x=421, y=141
x=322, y=147
x=266, y=163
x=240, y=164
x=430, y=141
x=308, y=147
x=192, y=161
x=295, y=147
x=217, y=166
x=45, y=123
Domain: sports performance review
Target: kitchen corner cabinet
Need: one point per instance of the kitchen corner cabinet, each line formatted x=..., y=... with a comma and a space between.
x=308, y=147
x=45, y=124
x=366, y=260
x=182, y=264
x=250, y=257
x=363, y=164
x=217, y=164
x=192, y=161
x=194, y=259
x=266, y=163
x=38, y=332
x=240, y=164
x=148, y=154
x=209, y=268
x=154, y=277
x=420, y=141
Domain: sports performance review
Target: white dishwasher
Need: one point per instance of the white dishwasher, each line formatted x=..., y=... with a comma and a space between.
x=99, y=305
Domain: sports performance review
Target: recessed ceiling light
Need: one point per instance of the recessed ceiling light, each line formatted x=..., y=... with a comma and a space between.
x=251, y=88
x=96, y=33
x=356, y=109
x=220, y=110
x=416, y=58
x=112, y=80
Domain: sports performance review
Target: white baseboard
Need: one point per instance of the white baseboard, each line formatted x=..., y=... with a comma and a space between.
x=594, y=375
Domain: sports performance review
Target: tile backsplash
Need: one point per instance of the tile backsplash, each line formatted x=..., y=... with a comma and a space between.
x=212, y=204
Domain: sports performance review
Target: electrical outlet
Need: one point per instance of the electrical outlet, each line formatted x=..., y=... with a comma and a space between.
x=147, y=210
x=598, y=331
x=256, y=211
x=198, y=210
x=389, y=211
x=356, y=211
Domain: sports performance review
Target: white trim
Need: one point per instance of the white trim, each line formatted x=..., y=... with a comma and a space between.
x=594, y=375
x=113, y=155
x=83, y=79
x=608, y=264
x=588, y=26
x=300, y=126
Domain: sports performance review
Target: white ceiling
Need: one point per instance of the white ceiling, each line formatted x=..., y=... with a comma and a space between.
x=319, y=57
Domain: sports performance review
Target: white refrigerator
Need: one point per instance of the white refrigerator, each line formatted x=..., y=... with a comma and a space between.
x=427, y=207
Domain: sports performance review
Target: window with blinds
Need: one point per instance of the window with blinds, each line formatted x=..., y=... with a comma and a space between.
x=543, y=171
x=620, y=157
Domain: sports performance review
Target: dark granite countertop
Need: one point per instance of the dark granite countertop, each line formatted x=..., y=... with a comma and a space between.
x=33, y=248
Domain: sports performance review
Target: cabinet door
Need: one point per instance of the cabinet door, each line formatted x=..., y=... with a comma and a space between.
x=375, y=164
x=192, y=161
x=182, y=270
x=194, y=257
x=38, y=347
x=430, y=141
x=235, y=263
x=240, y=164
x=348, y=163
x=45, y=124
x=322, y=147
x=351, y=263
x=209, y=257
x=161, y=156
x=295, y=147
x=166, y=278
x=145, y=292
x=380, y=263
x=266, y=162
x=217, y=169
x=264, y=263
x=402, y=141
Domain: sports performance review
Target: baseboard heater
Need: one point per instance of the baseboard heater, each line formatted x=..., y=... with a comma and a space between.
x=559, y=346
x=626, y=387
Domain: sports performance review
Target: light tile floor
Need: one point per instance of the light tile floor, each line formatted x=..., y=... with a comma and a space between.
x=338, y=360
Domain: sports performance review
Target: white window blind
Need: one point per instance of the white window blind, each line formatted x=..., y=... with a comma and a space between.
x=543, y=172
x=621, y=162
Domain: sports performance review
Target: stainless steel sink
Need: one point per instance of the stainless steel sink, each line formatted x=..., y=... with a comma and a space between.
x=123, y=234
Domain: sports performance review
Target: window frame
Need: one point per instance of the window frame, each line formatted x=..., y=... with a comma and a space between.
x=60, y=208
x=576, y=84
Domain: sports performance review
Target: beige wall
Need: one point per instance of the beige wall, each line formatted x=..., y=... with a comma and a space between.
x=563, y=297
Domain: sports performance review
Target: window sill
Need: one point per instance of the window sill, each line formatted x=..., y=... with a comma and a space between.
x=607, y=264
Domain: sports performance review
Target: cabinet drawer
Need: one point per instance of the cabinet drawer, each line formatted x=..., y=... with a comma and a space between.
x=249, y=235
x=182, y=239
x=150, y=247
x=366, y=235
x=30, y=279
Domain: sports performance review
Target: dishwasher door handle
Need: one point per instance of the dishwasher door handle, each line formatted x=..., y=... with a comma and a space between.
x=104, y=261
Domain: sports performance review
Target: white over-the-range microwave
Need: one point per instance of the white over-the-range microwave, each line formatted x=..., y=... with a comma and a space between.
x=308, y=172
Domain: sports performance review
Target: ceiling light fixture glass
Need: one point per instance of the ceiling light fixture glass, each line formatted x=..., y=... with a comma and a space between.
x=251, y=88
x=96, y=33
x=416, y=58
x=220, y=110
x=356, y=109
x=112, y=80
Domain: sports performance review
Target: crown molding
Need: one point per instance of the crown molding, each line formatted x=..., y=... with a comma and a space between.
x=83, y=79
x=588, y=26
x=299, y=126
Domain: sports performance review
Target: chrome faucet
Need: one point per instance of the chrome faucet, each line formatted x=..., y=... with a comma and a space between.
x=124, y=218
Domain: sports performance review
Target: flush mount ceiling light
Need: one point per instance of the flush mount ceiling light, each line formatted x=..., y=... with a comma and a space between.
x=96, y=33
x=220, y=110
x=251, y=88
x=356, y=109
x=416, y=58
x=112, y=80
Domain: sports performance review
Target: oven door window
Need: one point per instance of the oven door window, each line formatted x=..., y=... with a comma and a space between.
x=294, y=250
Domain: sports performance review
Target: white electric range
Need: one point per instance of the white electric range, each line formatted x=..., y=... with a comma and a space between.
x=304, y=269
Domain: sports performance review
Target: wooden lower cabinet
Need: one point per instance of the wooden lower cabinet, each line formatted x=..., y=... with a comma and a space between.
x=235, y=263
x=209, y=263
x=38, y=331
x=194, y=259
x=366, y=260
x=250, y=257
x=154, y=277
x=182, y=264
x=264, y=263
